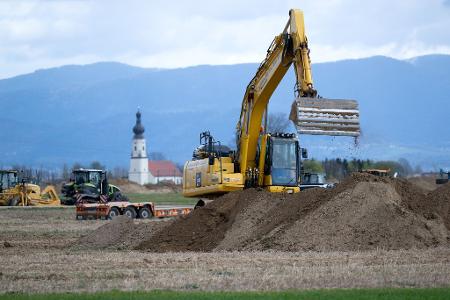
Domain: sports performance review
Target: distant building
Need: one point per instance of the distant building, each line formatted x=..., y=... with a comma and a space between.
x=164, y=170
x=142, y=170
x=139, y=161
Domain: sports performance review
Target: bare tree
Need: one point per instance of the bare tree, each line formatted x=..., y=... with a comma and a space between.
x=278, y=122
x=119, y=172
x=77, y=165
x=97, y=165
x=65, y=172
x=156, y=156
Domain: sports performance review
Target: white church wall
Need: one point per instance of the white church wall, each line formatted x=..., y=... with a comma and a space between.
x=138, y=171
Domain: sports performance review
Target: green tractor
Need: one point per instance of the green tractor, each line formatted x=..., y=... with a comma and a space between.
x=90, y=185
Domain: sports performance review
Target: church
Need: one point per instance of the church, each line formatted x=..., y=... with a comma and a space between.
x=142, y=170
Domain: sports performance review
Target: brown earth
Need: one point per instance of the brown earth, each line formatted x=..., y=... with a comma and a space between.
x=364, y=212
x=120, y=233
x=427, y=183
x=37, y=256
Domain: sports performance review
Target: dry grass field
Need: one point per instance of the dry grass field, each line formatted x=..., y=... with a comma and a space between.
x=36, y=256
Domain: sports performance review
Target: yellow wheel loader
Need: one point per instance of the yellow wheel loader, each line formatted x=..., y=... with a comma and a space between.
x=262, y=159
x=15, y=193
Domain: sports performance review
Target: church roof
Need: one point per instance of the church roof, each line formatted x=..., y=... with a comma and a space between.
x=163, y=168
x=138, y=129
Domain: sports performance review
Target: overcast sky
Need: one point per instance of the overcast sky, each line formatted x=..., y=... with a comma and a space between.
x=151, y=33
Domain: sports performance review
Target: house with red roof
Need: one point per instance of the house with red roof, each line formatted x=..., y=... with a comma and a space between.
x=164, y=171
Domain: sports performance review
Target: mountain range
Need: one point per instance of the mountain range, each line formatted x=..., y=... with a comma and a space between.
x=82, y=113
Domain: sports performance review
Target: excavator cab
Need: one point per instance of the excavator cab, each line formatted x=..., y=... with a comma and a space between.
x=282, y=162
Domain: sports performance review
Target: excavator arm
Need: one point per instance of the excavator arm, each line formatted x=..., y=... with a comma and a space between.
x=290, y=47
x=300, y=51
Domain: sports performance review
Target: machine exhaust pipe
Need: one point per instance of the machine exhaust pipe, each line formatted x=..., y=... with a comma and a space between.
x=320, y=116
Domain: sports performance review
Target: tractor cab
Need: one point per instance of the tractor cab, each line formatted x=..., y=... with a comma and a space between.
x=91, y=180
x=8, y=179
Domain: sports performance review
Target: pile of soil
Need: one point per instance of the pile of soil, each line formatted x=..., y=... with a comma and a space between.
x=363, y=212
x=427, y=183
x=121, y=233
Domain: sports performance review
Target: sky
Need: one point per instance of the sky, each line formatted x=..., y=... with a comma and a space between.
x=171, y=34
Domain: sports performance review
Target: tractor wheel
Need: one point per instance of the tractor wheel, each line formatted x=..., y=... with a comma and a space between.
x=113, y=212
x=145, y=213
x=130, y=212
x=14, y=201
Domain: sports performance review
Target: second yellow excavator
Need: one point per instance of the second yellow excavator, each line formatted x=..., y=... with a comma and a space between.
x=263, y=159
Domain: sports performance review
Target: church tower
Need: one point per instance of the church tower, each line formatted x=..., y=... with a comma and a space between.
x=139, y=161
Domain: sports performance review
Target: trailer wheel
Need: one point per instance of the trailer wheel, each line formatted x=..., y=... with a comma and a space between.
x=145, y=213
x=81, y=217
x=113, y=212
x=130, y=212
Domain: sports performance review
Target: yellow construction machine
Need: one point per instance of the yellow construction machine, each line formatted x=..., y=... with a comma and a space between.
x=15, y=193
x=263, y=159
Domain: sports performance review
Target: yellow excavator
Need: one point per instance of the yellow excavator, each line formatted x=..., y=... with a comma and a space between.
x=15, y=193
x=263, y=159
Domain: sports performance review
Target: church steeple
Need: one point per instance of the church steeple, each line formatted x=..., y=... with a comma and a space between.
x=139, y=161
x=138, y=129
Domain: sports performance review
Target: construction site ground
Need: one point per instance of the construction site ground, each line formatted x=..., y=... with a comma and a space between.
x=363, y=234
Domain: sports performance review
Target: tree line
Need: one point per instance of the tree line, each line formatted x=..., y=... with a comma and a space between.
x=339, y=168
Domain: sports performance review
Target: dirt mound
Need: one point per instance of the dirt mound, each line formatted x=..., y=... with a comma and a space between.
x=439, y=204
x=205, y=228
x=120, y=233
x=363, y=212
x=427, y=183
x=369, y=216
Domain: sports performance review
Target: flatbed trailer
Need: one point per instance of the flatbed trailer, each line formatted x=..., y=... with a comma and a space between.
x=141, y=210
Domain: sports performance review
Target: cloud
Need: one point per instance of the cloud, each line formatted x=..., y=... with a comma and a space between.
x=40, y=34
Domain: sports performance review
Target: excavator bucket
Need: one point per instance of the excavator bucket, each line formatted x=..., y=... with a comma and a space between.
x=320, y=116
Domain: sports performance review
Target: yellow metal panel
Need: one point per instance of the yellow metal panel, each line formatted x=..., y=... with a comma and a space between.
x=212, y=189
x=283, y=189
x=262, y=159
